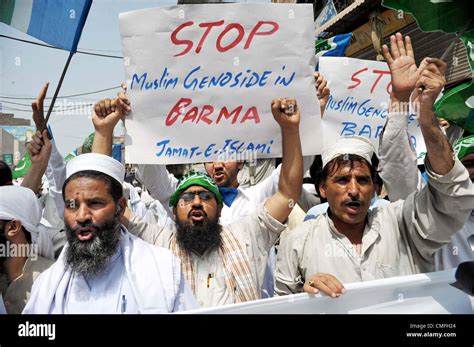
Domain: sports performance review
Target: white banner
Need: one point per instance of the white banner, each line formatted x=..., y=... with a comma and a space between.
x=358, y=104
x=415, y=294
x=201, y=79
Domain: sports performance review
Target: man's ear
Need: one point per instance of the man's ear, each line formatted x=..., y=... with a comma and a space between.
x=123, y=204
x=13, y=228
x=241, y=165
x=322, y=190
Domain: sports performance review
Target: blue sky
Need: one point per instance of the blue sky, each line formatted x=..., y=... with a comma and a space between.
x=24, y=68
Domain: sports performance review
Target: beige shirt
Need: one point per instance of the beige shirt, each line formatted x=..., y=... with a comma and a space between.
x=399, y=239
x=256, y=234
x=18, y=292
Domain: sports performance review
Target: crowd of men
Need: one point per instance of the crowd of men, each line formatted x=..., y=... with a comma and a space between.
x=205, y=240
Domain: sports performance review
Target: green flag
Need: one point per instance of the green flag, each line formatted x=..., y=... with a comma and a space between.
x=457, y=104
x=87, y=145
x=430, y=15
x=468, y=40
x=23, y=166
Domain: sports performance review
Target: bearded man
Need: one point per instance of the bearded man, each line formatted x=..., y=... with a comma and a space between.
x=103, y=268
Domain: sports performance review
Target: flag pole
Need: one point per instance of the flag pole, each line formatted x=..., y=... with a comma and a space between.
x=51, y=105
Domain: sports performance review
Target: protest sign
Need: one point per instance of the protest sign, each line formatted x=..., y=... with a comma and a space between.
x=201, y=79
x=358, y=104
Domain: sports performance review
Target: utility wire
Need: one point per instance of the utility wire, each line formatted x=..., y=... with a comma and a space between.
x=29, y=105
x=49, y=46
x=58, y=109
x=59, y=97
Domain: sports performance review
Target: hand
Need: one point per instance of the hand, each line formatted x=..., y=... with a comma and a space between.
x=106, y=113
x=286, y=113
x=429, y=84
x=326, y=283
x=322, y=91
x=40, y=148
x=401, y=61
x=37, y=107
x=444, y=124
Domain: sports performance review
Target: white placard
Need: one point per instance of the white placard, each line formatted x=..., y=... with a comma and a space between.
x=201, y=79
x=358, y=104
x=429, y=293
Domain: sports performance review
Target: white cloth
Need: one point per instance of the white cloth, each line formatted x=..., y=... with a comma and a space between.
x=56, y=174
x=349, y=145
x=96, y=162
x=156, y=283
x=157, y=214
x=20, y=203
x=401, y=177
x=458, y=250
x=134, y=201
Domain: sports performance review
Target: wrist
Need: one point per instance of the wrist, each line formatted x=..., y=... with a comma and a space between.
x=400, y=96
x=426, y=117
x=288, y=131
x=104, y=133
x=38, y=166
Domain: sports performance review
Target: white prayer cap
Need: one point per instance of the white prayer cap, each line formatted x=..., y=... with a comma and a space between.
x=96, y=162
x=20, y=203
x=358, y=145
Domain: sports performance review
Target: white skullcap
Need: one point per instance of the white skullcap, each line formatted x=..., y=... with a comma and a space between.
x=96, y=162
x=358, y=145
x=20, y=203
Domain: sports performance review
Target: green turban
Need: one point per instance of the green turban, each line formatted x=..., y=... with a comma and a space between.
x=196, y=178
x=464, y=146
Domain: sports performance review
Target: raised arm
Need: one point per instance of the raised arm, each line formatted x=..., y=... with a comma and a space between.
x=105, y=116
x=441, y=208
x=398, y=159
x=39, y=148
x=322, y=91
x=287, y=115
x=427, y=88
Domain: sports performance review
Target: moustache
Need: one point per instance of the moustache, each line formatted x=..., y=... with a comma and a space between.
x=87, y=225
x=354, y=202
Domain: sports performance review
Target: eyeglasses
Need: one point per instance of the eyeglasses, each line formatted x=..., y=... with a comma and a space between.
x=188, y=197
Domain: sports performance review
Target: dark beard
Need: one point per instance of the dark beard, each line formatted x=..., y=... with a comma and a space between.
x=91, y=257
x=199, y=238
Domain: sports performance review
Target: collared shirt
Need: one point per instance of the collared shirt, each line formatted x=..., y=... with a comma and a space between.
x=256, y=234
x=399, y=239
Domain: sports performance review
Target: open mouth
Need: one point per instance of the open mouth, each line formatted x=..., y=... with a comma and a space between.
x=354, y=206
x=219, y=175
x=197, y=215
x=85, y=234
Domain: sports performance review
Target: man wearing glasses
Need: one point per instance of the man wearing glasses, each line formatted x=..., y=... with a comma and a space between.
x=223, y=264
